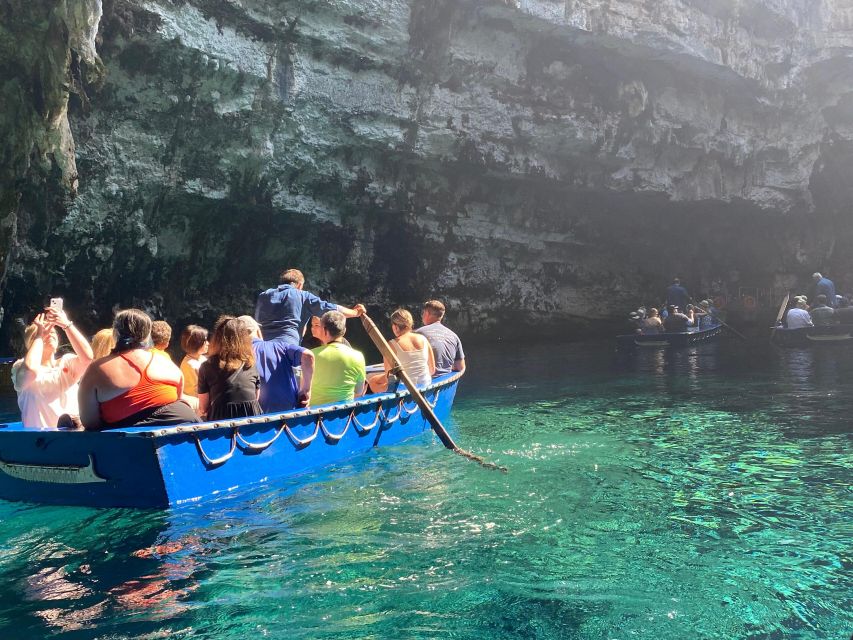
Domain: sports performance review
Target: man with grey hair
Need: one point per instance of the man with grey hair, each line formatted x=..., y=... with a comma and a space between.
x=826, y=287
x=275, y=361
x=339, y=370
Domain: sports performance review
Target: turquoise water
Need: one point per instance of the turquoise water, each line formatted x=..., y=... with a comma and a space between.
x=690, y=494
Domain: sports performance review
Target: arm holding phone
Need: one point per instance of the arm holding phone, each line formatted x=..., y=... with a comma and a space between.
x=56, y=315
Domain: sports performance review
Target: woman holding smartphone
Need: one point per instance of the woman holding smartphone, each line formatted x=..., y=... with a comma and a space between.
x=47, y=386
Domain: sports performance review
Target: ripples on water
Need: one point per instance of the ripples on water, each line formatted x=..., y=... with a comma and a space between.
x=688, y=494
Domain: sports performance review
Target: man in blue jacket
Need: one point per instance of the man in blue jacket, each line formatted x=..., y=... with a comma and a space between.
x=825, y=287
x=676, y=295
x=284, y=310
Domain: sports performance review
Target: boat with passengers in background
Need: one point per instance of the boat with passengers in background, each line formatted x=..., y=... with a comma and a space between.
x=835, y=334
x=162, y=466
x=688, y=337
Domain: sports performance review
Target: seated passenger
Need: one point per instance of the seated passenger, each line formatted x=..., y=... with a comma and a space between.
x=276, y=362
x=47, y=387
x=102, y=343
x=194, y=343
x=412, y=350
x=798, y=317
x=707, y=315
x=161, y=336
x=339, y=370
x=228, y=381
x=844, y=312
x=675, y=320
x=822, y=314
x=652, y=324
x=313, y=341
x=446, y=345
x=132, y=386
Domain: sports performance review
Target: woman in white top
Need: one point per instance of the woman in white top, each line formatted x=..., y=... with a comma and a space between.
x=47, y=387
x=412, y=350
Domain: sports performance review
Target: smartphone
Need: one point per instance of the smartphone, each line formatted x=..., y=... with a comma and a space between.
x=56, y=304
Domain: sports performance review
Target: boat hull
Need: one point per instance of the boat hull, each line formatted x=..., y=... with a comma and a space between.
x=158, y=467
x=676, y=339
x=810, y=336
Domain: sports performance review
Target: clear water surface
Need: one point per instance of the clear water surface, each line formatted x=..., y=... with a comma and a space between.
x=700, y=493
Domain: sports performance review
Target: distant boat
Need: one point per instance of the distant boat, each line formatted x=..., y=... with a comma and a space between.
x=810, y=336
x=159, y=466
x=690, y=336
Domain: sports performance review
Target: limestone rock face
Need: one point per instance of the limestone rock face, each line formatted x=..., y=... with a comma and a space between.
x=532, y=162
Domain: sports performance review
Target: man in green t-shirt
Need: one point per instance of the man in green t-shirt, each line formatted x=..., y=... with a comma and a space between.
x=339, y=370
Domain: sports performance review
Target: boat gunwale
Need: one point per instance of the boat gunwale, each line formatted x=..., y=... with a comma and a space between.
x=372, y=399
x=650, y=337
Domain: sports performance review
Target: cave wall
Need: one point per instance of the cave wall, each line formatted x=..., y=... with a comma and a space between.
x=536, y=163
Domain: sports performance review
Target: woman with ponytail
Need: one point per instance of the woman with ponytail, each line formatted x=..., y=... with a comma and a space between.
x=131, y=387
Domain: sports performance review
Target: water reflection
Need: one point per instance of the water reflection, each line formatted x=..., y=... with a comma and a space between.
x=670, y=370
x=71, y=579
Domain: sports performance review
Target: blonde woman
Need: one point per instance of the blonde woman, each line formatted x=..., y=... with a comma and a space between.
x=103, y=343
x=412, y=350
x=47, y=385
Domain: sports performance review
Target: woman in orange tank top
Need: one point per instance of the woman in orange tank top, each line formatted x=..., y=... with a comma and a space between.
x=132, y=386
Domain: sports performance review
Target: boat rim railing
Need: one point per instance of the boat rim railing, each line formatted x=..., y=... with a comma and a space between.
x=380, y=399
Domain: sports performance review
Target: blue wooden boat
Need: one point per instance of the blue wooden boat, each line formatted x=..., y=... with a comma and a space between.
x=156, y=467
x=690, y=336
x=836, y=334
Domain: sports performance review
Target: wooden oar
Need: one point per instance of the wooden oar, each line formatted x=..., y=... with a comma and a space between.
x=397, y=369
x=727, y=326
x=780, y=315
x=784, y=306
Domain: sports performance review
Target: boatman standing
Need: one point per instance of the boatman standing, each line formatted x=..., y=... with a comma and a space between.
x=445, y=344
x=284, y=310
x=826, y=287
x=676, y=295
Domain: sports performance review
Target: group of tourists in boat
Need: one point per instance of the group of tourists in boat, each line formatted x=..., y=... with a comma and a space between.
x=828, y=308
x=677, y=314
x=244, y=366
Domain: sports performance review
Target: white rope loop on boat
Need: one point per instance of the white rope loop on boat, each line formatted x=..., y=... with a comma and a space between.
x=333, y=437
x=214, y=462
x=260, y=446
x=306, y=441
x=392, y=419
x=366, y=429
x=414, y=408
